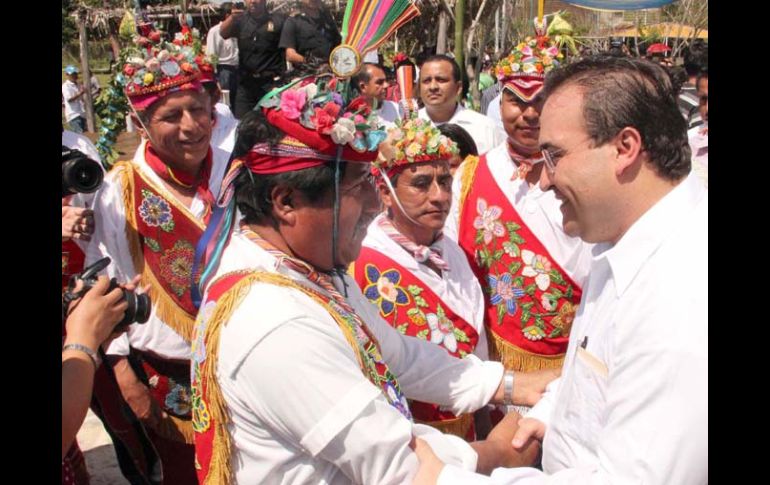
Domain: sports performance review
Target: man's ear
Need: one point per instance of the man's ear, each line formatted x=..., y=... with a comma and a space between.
x=138, y=125
x=628, y=143
x=385, y=197
x=283, y=199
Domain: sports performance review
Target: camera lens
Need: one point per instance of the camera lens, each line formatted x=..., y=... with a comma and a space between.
x=80, y=175
x=138, y=310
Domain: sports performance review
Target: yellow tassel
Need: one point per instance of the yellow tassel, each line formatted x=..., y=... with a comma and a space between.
x=518, y=359
x=466, y=182
x=456, y=426
x=175, y=317
x=126, y=177
x=220, y=472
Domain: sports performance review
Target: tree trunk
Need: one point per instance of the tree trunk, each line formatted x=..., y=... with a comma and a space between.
x=443, y=24
x=459, y=28
x=88, y=102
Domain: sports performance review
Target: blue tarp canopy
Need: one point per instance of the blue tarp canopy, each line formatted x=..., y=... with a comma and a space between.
x=620, y=4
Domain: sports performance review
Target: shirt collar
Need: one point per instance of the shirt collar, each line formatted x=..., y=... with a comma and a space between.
x=643, y=238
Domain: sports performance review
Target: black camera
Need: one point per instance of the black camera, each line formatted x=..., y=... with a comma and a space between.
x=79, y=174
x=139, y=306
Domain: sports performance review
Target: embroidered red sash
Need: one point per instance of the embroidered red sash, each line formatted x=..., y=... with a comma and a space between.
x=411, y=307
x=167, y=234
x=532, y=300
x=210, y=416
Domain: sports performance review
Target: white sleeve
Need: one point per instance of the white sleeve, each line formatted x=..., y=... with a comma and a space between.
x=425, y=371
x=211, y=48
x=318, y=399
x=109, y=240
x=543, y=410
x=453, y=219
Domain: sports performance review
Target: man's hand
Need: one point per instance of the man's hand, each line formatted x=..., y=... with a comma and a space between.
x=137, y=395
x=529, y=429
x=529, y=387
x=76, y=222
x=430, y=464
x=496, y=451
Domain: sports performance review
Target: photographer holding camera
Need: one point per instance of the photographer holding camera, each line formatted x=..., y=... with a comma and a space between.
x=149, y=214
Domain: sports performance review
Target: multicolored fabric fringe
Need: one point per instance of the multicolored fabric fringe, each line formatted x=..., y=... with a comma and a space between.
x=368, y=23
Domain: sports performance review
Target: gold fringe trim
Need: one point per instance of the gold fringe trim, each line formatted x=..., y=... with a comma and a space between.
x=175, y=429
x=456, y=426
x=518, y=359
x=168, y=310
x=466, y=181
x=220, y=472
x=125, y=175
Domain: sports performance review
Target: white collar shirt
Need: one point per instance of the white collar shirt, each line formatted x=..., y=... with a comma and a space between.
x=109, y=239
x=301, y=410
x=482, y=129
x=457, y=288
x=539, y=210
x=632, y=403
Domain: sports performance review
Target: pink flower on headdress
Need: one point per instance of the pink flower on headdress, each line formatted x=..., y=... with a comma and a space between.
x=128, y=70
x=154, y=36
x=359, y=120
x=552, y=51
x=292, y=103
x=526, y=50
x=413, y=149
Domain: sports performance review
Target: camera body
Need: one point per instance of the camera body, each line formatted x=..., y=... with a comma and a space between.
x=139, y=306
x=79, y=174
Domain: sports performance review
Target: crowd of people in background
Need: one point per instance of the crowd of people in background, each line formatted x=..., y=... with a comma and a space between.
x=384, y=283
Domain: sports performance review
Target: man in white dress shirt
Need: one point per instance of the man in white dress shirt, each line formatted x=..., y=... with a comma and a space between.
x=632, y=403
x=440, y=87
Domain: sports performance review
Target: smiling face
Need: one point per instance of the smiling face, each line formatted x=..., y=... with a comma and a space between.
x=425, y=193
x=521, y=121
x=179, y=128
x=583, y=179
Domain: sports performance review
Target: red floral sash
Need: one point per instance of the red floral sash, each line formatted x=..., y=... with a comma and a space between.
x=412, y=308
x=162, y=235
x=72, y=259
x=532, y=300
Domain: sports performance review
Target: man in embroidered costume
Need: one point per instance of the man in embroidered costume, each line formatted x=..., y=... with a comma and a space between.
x=632, y=403
x=296, y=379
x=420, y=281
x=511, y=231
x=149, y=214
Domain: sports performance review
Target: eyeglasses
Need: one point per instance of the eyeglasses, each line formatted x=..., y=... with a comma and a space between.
x=552, y=156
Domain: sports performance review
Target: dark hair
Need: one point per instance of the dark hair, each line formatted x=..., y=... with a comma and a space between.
x=621, y=91
x=456, y=74
x=678, y=76
x=252, y=192
x=363, y=75
x=702, y=75
x=463, y=139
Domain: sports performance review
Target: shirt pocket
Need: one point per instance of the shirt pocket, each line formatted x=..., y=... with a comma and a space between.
x=587, y=398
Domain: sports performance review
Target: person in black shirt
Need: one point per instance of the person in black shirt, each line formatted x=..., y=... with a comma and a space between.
x=309, y=37
x=260, y=60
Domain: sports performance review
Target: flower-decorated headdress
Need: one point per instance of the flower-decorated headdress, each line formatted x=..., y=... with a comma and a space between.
x=524, y=70
x=321, y=125
x=412, y=140
x=155, y=67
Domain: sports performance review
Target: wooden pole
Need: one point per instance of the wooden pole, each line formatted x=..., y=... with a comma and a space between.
x=88, y=101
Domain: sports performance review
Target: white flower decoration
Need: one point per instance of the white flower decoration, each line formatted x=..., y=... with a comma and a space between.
x=441, y=332
x=537, y=266
x=343, y=131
